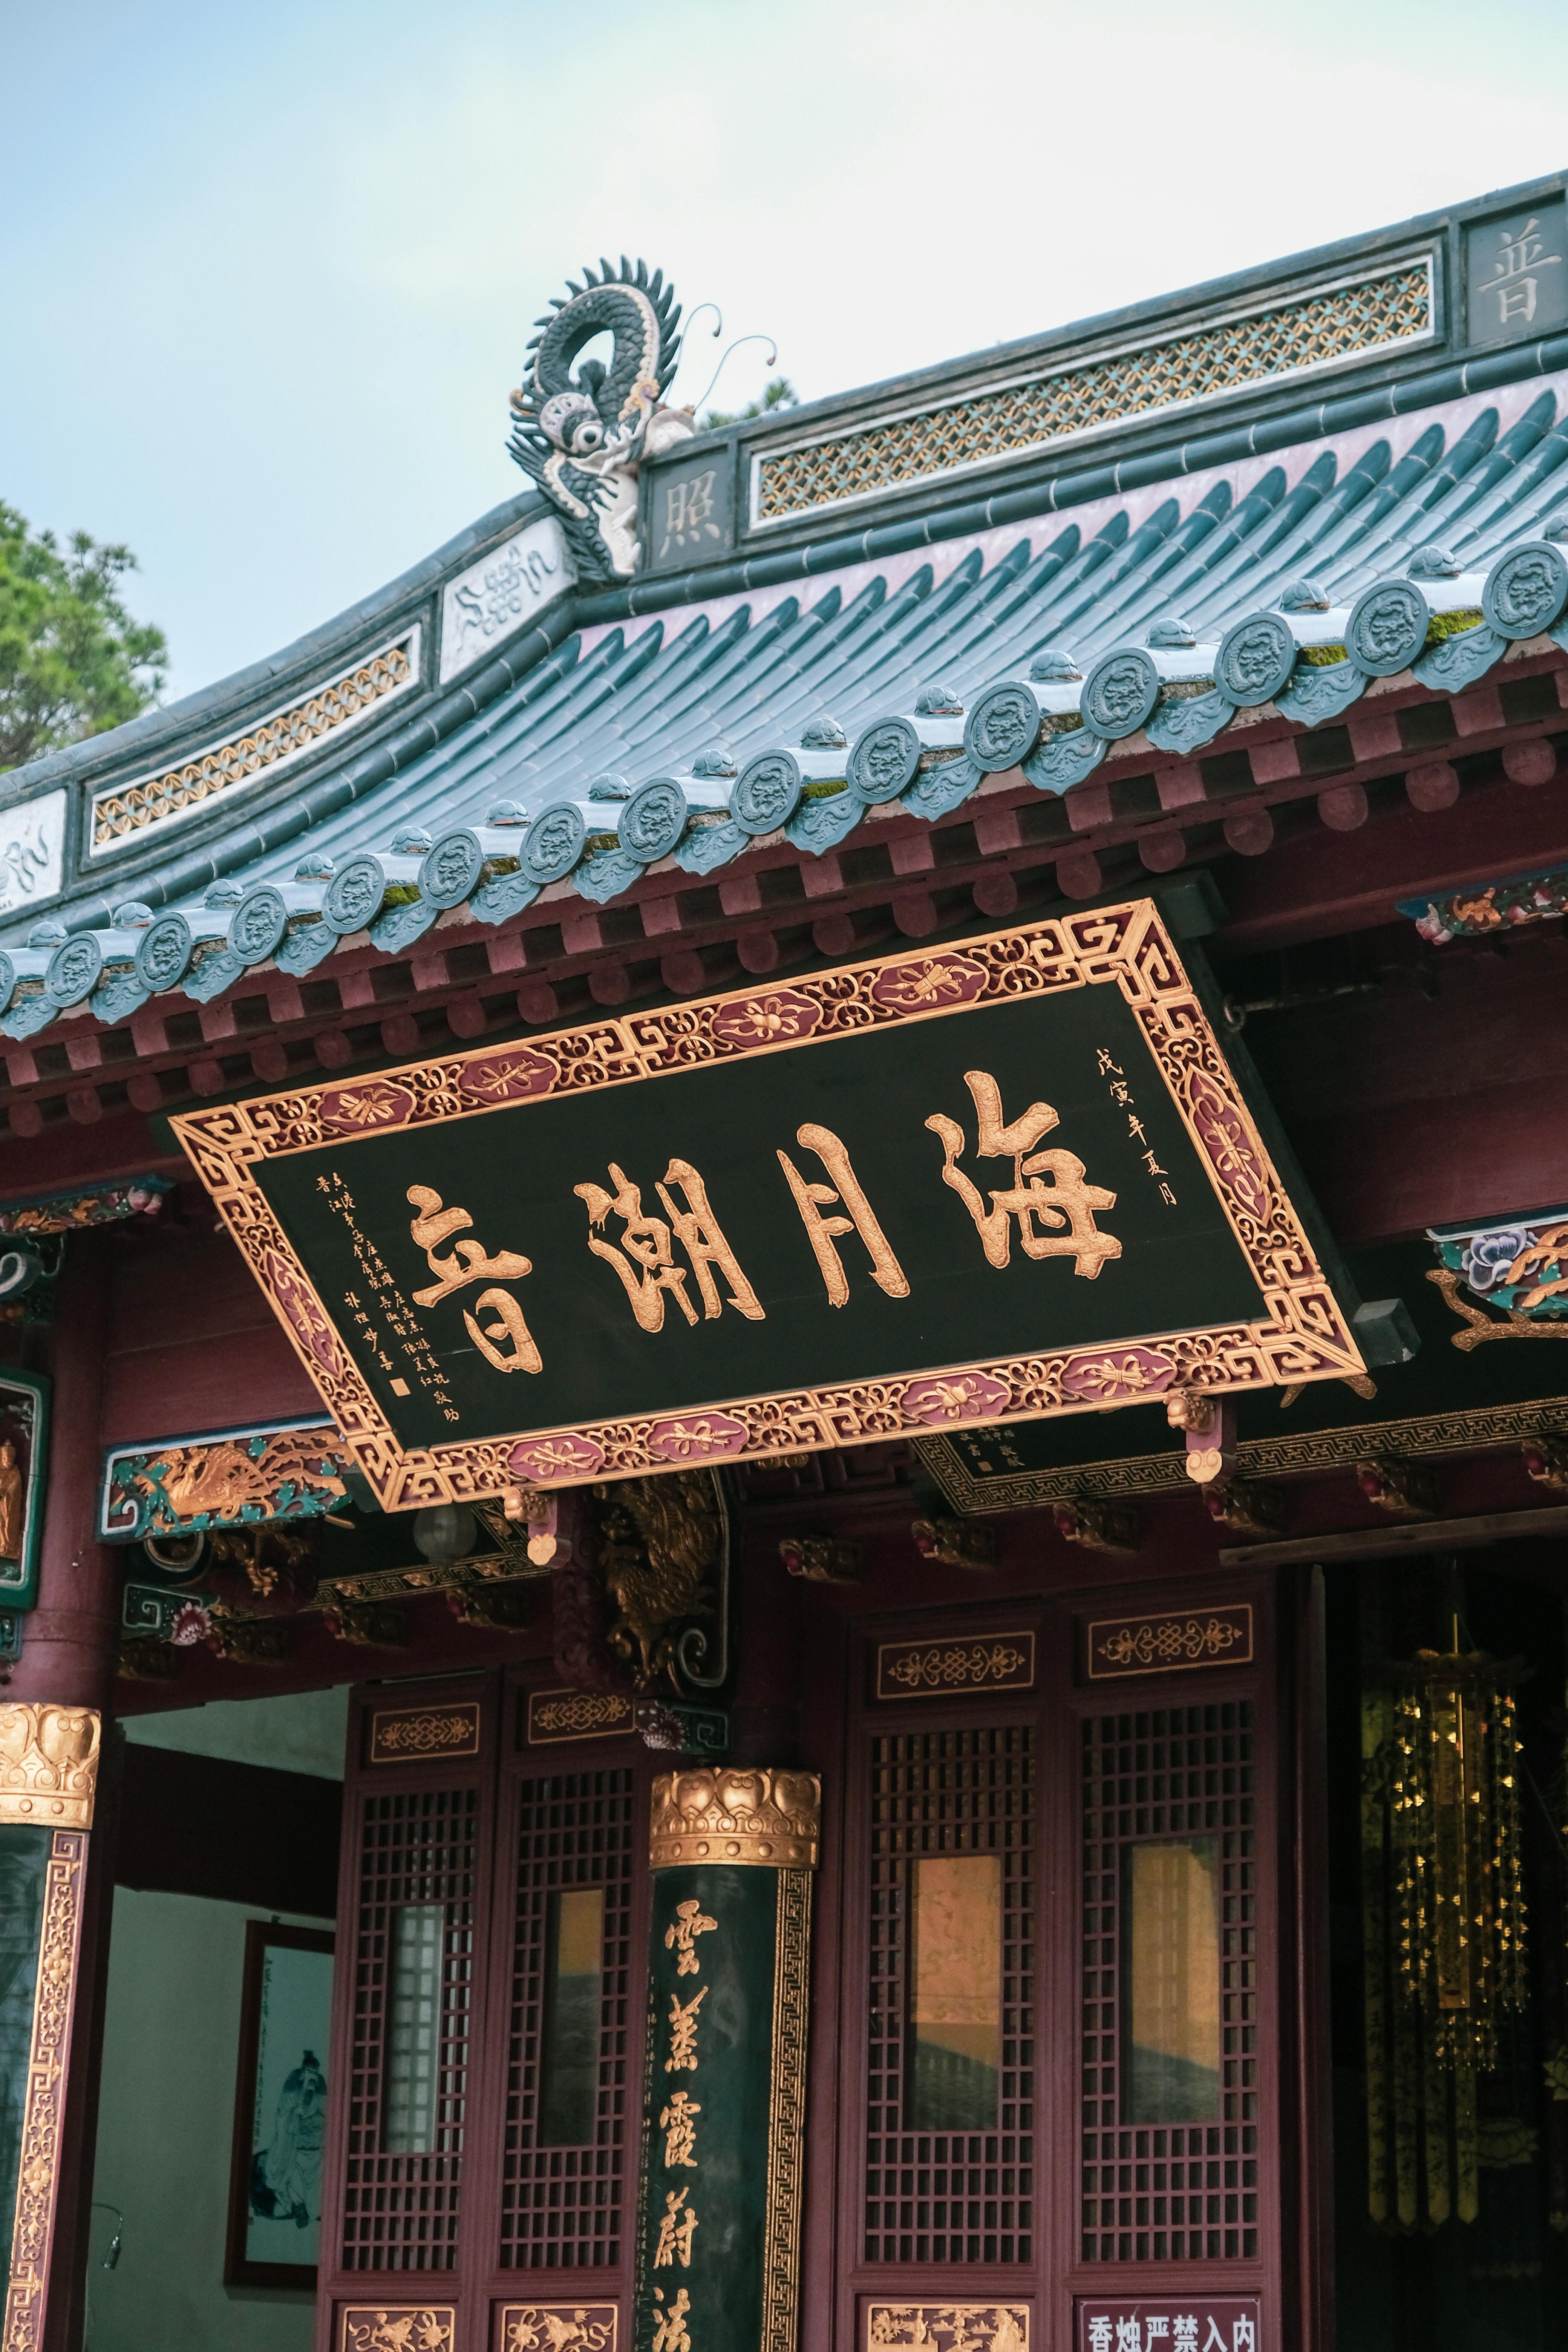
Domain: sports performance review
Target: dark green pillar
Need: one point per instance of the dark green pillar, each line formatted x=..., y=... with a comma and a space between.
x=724, y=2088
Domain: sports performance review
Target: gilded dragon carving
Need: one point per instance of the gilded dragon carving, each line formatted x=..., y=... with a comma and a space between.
x=661, y=1545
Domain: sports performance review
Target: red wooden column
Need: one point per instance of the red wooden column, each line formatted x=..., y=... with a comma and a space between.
x=68, y=1641
x=54, y=1710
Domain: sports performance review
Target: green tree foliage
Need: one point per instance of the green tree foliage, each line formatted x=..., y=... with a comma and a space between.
x=780, y=393
x=72, y=660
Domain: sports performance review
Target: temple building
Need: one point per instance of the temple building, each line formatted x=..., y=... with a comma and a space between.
x=783, y=1482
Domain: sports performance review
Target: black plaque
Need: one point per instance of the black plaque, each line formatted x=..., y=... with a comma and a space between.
x=1010, y=1179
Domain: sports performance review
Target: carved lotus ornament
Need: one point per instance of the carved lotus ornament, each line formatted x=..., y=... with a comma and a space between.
x=735, y=1815
x=49, y=1764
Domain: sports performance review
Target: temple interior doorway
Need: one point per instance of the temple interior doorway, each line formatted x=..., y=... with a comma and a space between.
x=203, y=2236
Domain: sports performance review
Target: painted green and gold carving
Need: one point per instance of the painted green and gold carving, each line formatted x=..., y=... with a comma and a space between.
x=533, y=1265
x=233, y=1479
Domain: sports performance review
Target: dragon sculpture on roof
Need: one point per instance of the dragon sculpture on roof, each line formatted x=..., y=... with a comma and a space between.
x=582, y=437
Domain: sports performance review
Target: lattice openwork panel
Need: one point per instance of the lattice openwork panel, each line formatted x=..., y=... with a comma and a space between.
x=1019, y=417
x=949, y=2196
x=132, y=808
x=414, y=1965
x=561, y=2204
x=1153, y=2191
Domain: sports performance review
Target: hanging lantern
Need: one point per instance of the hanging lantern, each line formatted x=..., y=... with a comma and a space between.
x=1444, y=1921
x=1459, y=1895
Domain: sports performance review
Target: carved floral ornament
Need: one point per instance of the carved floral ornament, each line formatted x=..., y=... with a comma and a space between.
x=732, y=1815
x=49, y=1764
x=1302, y=1332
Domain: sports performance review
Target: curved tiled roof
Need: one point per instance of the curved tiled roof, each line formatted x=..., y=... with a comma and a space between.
x=627, y=750
x=481, y=734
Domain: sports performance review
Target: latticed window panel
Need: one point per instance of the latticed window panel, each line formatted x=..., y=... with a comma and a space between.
x=1176, y=2191
x=1015, y=418
x=932, y=2195
x=560, y=2201
x=414, y=1963
x=132, y=808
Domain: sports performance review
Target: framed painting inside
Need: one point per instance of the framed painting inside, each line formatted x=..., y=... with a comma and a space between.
x=280, y=2107
x=24, y=1464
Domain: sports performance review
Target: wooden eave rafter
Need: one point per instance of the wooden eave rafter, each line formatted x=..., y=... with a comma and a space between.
x=1008, y=847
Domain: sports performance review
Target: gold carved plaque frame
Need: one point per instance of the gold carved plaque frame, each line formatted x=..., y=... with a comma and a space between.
x=1303, y=1334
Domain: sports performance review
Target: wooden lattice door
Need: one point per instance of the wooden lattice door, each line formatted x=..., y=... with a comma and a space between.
x=487, y=2034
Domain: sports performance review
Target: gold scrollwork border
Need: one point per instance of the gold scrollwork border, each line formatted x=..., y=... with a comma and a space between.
x=1302, y=1336
x=37, y=2172
x=786, y=2116
x=1473, y=1431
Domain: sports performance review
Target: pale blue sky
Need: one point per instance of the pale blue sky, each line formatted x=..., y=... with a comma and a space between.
x=268, y=273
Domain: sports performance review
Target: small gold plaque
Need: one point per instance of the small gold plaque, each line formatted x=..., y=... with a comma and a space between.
x=425, y=1735
x=554, y=1716
x=1173, y=1642
x=942, y=1669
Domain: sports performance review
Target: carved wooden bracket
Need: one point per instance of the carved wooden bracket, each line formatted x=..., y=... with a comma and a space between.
x=1111, y=1528
x=822, y=1559
x=1401, y=1489
x=1248, y=1507
x=1546, y=1459
x=956, y=1543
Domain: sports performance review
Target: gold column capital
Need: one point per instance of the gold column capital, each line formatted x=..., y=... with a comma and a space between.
x=49, y=1763
x=736, y=1814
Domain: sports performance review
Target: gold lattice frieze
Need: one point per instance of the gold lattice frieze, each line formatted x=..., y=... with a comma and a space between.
x=1341, y=322
x=131, y=809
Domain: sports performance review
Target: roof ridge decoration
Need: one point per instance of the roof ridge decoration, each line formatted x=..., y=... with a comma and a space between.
x=1352, y=318
x=164, y=797
x=581, y=438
